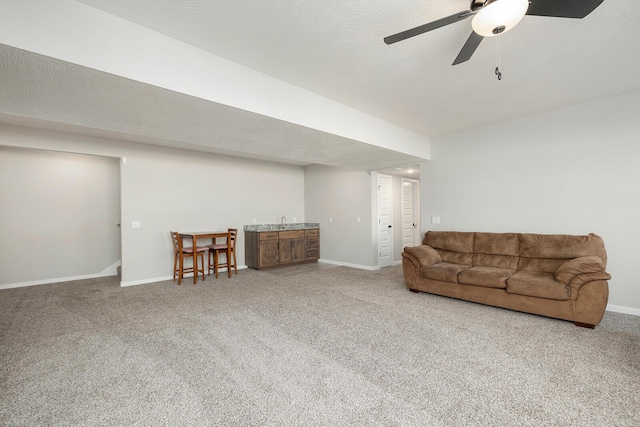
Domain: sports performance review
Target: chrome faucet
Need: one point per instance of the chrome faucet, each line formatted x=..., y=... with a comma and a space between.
x=282, y=220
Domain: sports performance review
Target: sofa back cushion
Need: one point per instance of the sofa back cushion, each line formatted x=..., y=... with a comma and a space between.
x=546, y=265
x=499, y=250
x=547, y=252
x=453, y=246
x=523, y=252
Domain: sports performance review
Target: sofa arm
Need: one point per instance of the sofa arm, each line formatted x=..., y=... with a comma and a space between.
x=421, y=256
x=578, y=271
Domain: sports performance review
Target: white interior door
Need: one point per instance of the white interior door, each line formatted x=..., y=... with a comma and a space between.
x=410, y=213
x=385, y=232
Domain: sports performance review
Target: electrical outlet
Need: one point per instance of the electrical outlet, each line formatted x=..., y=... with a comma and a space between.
x=135, y=224
x=330, y=219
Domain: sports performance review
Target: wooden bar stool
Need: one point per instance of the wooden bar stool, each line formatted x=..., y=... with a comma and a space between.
x=229, y=249
x=180, y=253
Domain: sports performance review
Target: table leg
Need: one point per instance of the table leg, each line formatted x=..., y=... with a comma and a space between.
x=195, y=260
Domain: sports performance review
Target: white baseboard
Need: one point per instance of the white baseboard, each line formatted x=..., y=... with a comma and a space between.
x=346, y=264
x=164, y=278
x=623, y=310
x=105, y=273
x=152, y=280
x=110, y=271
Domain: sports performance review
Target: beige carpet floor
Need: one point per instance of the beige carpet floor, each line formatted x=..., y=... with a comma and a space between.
x=309, y=346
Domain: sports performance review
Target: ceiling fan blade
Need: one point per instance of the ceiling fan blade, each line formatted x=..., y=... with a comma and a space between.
x=563, y=9
x=469, y=47
x=427, y=27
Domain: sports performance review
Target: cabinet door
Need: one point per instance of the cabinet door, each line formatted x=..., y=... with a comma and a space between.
x=285, y=251
x=298, y=250
x=291, y=250
x=268, y=253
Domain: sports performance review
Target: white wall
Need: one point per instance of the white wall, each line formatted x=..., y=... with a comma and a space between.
x=58, y=217
x=343, y=195
x=168, y=189
x=572, y=171
x=346, y=195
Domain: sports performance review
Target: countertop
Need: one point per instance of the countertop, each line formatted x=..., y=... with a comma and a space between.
x=279, y=227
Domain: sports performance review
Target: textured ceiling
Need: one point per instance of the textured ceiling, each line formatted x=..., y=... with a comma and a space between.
x=334, y=49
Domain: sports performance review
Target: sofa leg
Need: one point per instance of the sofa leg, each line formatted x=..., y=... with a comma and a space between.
x=414, y=290
x=584, y=325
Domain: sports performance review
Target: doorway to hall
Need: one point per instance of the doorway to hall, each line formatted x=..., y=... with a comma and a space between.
x=65, y=204
x=398, y=216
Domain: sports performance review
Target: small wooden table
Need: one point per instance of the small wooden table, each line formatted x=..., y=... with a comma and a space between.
x=195, y=235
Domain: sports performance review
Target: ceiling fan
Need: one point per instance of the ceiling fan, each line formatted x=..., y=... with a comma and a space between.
x=493, y=17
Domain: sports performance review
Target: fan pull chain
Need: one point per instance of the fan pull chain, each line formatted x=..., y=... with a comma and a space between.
x=498, y=73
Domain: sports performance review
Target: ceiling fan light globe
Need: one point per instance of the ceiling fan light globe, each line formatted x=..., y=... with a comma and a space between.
x=501, y=16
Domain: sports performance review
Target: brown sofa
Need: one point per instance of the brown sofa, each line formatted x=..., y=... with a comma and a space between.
x=560, y=276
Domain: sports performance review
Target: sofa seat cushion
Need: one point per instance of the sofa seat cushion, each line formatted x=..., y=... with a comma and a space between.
x=537, y=284
x=443, y=271
x=489, y=277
